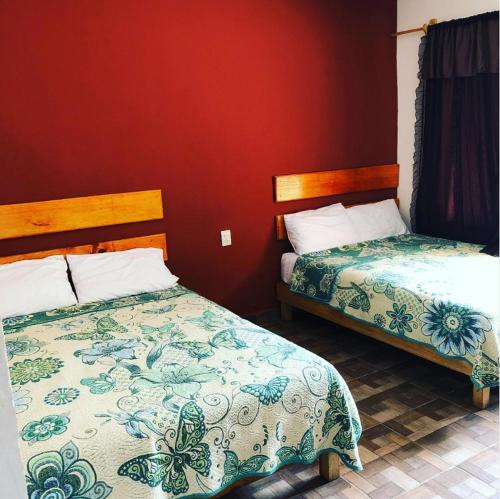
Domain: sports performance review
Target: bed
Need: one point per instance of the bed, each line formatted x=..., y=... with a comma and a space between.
x=432, y=297
x=163, y=394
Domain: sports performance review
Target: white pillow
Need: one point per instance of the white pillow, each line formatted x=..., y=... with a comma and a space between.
x=316, y=230
x=104, y=276
x=31, y=286
x=377, y=220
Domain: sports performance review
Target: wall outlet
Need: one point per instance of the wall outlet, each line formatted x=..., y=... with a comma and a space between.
x=225, y=237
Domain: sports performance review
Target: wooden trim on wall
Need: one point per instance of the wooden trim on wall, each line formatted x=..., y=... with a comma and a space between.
x=333, y=182
x=281, y=234
x=45, y=217
x=153, y=241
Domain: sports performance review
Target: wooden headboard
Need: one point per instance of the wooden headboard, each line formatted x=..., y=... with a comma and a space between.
x=46, y=217
x=331, y=183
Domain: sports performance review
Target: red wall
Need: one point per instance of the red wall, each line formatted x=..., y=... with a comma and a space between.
x=204, y=99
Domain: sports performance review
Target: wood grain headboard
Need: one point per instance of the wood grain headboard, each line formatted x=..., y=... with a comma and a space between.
x=47, y=217
x=331, y=183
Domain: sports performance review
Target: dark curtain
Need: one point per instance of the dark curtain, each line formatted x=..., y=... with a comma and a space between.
x=456, y=150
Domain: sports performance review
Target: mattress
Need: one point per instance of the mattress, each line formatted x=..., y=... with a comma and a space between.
x=440, y=293
x=287, y=263
x=167, y=394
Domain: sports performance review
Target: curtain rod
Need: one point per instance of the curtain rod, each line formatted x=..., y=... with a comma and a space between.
x=415, y=30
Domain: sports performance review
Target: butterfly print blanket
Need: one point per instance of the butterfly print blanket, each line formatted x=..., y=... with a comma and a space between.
x=440, y=293
x=167, y=395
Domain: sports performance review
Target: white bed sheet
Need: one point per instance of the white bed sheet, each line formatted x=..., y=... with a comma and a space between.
x=287, y=263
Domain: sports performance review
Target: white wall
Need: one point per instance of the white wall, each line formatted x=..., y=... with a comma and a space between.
x=12, y=482
x=413, y=13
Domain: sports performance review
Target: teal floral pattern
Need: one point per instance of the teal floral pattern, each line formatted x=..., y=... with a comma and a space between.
x=428, y=290
x=175, y=379
x=115, y=349
x=341, y=417
x=61, y=396
x=454, y=330
x=22, y=345
x=168, y=469
x=38, y=431
x=33, y=370
x=99, y=385
x=276, y=352
x=201, y=350
x=379, y=320
x=400, y=319
x=168, y=395
x=63, y=475
x=134, y=423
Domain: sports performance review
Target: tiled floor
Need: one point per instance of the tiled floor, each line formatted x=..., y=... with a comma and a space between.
x=422, y=438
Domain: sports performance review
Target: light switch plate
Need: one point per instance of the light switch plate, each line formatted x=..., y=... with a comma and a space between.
x=225, y=237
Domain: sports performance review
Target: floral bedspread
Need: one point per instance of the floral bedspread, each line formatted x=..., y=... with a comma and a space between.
x=166, y=394
x=438, y=292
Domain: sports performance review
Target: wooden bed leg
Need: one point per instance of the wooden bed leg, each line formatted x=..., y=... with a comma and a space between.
x=480, y=398
x=329, y=466
x=286, y=311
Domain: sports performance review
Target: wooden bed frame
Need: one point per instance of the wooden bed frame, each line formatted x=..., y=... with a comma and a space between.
x=333, y=182
x=46, y=217
x=62, y=215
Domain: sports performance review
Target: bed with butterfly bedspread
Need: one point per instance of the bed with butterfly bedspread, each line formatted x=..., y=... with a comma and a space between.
x=429, y=292
x=435, y=298
x=167, y=394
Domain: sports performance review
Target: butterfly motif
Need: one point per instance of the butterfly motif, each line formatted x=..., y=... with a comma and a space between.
x=201, y=350
x=275, y=353
x=104, y=327
x=338, y=415
x=72, y=325
x=168, y=468
x=196, y=349
x=270, y=393
x=168, y=331
x=159, y=311
x=234, y=468
x=102, y=384
x=208, y=321
x=227, y=339
x=361, y=300
x=305, y=451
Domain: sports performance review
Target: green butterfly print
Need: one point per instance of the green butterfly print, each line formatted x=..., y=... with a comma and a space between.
x=270, y=393
x=168, y=468
x=201, y=350
x=235, y=469
x=159, y=311
x=208, y=321
x=275, y=353
x=304, y=452
x=196, y=349
x=102, y=384
x=162, y=337
x=169, y=331
x=361, y=300
x=104, y=327
x=348, y=428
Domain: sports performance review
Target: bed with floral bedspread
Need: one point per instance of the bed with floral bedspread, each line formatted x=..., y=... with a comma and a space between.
x=437, y=292
x=166, y=394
